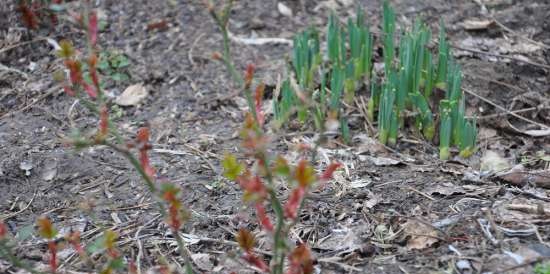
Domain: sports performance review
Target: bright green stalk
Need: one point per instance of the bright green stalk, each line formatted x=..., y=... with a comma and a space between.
x=454, y=94
x=355, y=39
x=445, y=107
x=333, y=41
x=424, y=119
x=302, y=113
x=386, y=108
x=428, y=78
x=283, y=107
x=344, y=128
x=454, y=83
x=349, y=84
x=306, y=57
x=336, y=88
x=374, y=98
x=422, y=38
x=394, y=127
x=468, y=139
x=404, y=76
x=321, y=109
x=389, y=30
x=366, y=54
x=457, y=117
x=443, y=58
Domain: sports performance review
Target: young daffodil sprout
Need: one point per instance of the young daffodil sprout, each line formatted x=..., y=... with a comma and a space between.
x=445, y=128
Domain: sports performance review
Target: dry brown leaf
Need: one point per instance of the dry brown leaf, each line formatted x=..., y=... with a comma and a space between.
x=420, y=235
x=519, y=176
x=476, y=24
x=202, y=261
x=132, y=95
x=447, y=189
x=492, y=162
x=284, y=9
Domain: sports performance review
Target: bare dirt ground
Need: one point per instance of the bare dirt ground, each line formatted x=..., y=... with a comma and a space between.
x=389, y=211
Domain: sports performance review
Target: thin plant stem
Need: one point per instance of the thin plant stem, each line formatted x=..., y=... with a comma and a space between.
x=184, y=251
x=222, y=21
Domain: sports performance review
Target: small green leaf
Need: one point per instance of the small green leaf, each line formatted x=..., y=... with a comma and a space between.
x=232, y=168
x=117, y=263
x=281, y=167
x=24, y=233
x=120, y=77
x=96, y=246
x=103, y=64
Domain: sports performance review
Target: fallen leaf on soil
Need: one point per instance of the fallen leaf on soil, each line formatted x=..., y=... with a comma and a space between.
x=380, y=161
x=360, y=183
x=132, y=95
x=202, y=261
x=500, y=262
x=464, y=266
x=447, y=189
x=519, y=176
x=50, y=171
x=475, y=24
x=486, y=133
x=520, y=210
x=366, y=144
x=538, y=132
x=421, y=235
x=284, y=9
x=342, y=239
x=491, y=162
x=538, y=209
x=371, y=201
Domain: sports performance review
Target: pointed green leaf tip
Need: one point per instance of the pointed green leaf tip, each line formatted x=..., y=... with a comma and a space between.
x=231, y=168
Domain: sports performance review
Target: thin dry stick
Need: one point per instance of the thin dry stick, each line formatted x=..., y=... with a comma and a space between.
x=22, y=44
x=504, y=109
x=494, y=81
x=7, y=216
x=49, y=92
x=523, y=110
x=502, y=56
x=333, y=260
x=507, y=29
x=513, y=32
x=190, y=52
x=421, y=193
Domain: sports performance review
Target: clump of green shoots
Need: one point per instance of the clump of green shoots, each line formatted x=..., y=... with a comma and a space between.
x=409, y=86
x=322, y=87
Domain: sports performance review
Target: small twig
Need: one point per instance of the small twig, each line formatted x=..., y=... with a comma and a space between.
x=7, y=216
x=504, y=109
x=332, y=260
x=526, y=61
x=201, y=154
x=421, y=193
x=49, y=92
x=3, y=67
x=259, y=41
x=513, y=32
x=22, y=44
x=530, y=262
x=516, y=88
x=500, y=114
x=193, y=45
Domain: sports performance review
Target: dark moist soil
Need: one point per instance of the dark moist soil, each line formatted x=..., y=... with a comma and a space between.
x=419, y=215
